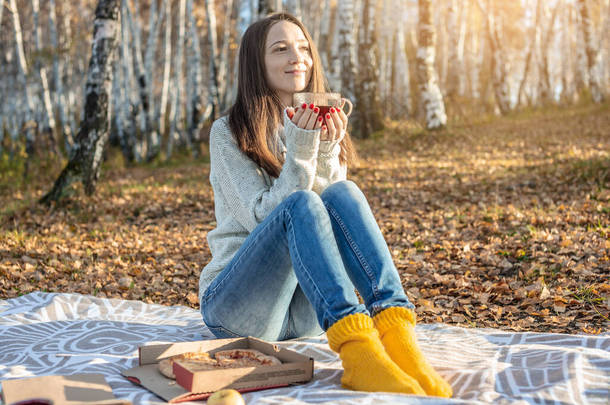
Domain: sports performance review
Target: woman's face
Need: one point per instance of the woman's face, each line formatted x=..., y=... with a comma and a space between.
x=287, y=60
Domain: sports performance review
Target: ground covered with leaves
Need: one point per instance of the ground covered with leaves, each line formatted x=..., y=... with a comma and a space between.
x=499, y=223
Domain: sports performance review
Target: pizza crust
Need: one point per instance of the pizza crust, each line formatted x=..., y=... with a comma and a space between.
x=200, y=361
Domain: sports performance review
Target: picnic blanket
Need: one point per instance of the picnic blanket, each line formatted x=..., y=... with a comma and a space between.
x=47, y=333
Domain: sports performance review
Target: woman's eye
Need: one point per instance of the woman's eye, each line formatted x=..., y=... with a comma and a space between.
x=281, y=48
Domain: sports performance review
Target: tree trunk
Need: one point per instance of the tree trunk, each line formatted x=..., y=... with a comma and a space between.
x=591, y=52
x=213, y=91
x=431, y=98
x=546, y=91
x=400, y=90
x=177, y=90
x=223, y=62
x=48, y=128
x=167, y=65
x=455, y=60
x=29, y=126
x=368, y=111
x=294, y=8
x=346, y=52
x=86, y=159
x=64, y=126
x=498, y=62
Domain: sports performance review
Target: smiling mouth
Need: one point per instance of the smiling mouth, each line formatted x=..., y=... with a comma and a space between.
x=294, y=72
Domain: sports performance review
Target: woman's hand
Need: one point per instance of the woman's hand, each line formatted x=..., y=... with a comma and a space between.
x=335, y=125
x=305, y=116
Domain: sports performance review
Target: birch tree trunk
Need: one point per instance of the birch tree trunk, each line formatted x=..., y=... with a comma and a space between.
x=455, y=49
x=64, y=125
x=368, y=109
x=48, y=121
x=177, y=90
x=167, y=60
x=154, y=138
x=30, y=124
x=400, y=90
x=499, y=63
x=196, y=114
x=213, y=88
x=346, y=52
x=86, y=159
x=223, y=62
x=591, y=52
x=431, y=98
x=67, y=77
x=546, y=85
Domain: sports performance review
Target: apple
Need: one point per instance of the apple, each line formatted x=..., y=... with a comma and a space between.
x=226, y=397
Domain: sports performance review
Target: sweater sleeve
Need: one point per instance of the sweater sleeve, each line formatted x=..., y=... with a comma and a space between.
x=329, y=169
x=242, y=182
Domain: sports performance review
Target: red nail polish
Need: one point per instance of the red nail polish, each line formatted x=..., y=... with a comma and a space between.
x=311, y=106
x=332, y=110
x=324, y=127
x=290, y=114
x=304, y=106
x=316, y=110
x=327, y=116
x=320, y=119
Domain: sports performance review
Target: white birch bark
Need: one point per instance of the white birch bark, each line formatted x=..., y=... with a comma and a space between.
x=178, y=85
x=67, y=78
x=167, y=60
x=45, y=96
x=64, y=125
x=346, y=52
x=499, y=69
x=154, y=21
x=85, y=162
x=223, y=62
x=324, y=40
x=214, y=60
x=400, y=90
x=22, y=74
x=146, y=116
x=591, y=51
x=129, y=102
x=430, y=95
x=368, y=117
x=455, y=48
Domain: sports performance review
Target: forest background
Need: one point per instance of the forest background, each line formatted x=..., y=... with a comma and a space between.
x=482, y=128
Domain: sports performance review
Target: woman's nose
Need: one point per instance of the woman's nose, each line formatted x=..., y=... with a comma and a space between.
x=297, y=55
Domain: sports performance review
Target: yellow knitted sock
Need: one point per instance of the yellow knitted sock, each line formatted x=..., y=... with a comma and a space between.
x=396, y=328
x=366, y=365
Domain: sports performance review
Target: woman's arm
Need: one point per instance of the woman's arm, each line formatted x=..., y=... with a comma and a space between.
x=328, y=170
x=242, y=182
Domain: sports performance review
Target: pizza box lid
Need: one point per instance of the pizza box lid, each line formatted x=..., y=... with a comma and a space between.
x=189, y=386
x=76, y=389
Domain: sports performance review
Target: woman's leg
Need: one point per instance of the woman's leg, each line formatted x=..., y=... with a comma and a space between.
x=252, y=295
x=364, y=251
x=370, y=265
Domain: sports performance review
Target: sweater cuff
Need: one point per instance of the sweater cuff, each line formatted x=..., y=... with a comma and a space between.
x=302, y=142
x=392, y=316
x=329, y=149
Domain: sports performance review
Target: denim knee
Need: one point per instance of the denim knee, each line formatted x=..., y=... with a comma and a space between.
x=337, y=192
x=305, y=199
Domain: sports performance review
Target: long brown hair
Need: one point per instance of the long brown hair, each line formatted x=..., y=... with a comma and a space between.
x=257, y=111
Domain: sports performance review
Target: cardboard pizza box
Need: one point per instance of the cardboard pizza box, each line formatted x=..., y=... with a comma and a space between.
x=77, y=389
x=188, y=386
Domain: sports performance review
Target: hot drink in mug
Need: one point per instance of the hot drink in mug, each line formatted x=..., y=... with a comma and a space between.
x=324, y=101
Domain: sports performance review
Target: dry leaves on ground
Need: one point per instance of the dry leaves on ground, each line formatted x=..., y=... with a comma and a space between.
x=502, y=224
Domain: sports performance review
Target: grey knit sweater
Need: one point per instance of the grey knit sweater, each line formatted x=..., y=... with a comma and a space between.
x=244, y=194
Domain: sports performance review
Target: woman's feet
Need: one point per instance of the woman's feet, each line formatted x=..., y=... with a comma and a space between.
x=367, y=366
x=396, y=328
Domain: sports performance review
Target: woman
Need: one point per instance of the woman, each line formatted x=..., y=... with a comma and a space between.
x=293, y=237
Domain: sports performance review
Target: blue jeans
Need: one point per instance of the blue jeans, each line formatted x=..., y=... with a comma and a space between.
x=295, y=274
